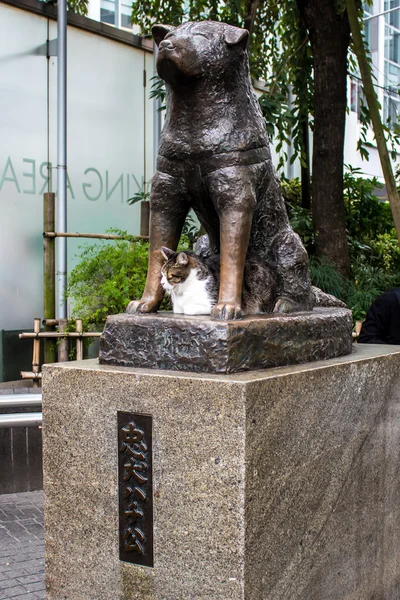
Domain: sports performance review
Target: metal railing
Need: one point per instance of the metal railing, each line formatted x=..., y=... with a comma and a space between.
x=27, y=419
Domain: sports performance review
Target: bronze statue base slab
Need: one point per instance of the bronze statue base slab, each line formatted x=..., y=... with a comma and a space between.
x=197, y=343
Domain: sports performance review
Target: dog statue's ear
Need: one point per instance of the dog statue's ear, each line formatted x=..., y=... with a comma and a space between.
x=166, y=252
x=236, y=37
x=160, y=31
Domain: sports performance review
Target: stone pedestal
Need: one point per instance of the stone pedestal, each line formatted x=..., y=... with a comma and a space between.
x=273, y=485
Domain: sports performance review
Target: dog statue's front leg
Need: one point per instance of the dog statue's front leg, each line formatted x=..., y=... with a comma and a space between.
x=168, y=210
x=235, y=234
x=153, y=292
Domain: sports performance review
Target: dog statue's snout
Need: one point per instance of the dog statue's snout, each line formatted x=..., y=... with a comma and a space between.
x=166, y=45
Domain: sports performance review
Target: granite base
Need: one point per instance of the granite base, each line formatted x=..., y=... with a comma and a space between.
x=277, y=485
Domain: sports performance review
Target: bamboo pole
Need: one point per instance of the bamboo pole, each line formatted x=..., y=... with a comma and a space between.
x=59, y=334
x=49, y=274
x=100, y=236
x=144, y=219
x=50, y=322
x=31, y=375
x=373, y=106
x=79, y=341
x=36, y=352
x=63, y=343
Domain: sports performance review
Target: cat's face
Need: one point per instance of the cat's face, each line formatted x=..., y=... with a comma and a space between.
x=176, y=269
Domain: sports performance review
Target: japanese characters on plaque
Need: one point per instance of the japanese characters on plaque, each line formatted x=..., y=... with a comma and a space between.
x=135, y=489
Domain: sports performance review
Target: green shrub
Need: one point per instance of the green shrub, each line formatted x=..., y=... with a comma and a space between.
x=366, y=216
x=107, y=277
x=326, y=277
x=373, y=245
x=385, y=251
x=368, y=283
x=301, y=221
x=291, y=191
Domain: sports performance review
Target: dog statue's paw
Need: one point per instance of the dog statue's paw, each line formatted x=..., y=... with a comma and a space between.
x=226, y=311
x=284, y=305
x=141, y=307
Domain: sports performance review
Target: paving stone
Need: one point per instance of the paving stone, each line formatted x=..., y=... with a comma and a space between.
x=28, y=579
x=23, y=557
x=22, y=547
x=9, y=583
x=13, y=571
x=31, y=596
x=15, y=591
x=39, y=586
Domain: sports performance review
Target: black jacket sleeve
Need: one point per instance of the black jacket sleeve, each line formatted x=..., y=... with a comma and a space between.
x=377, y=324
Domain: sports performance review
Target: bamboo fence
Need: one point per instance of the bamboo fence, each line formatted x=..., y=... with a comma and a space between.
x=55, y=334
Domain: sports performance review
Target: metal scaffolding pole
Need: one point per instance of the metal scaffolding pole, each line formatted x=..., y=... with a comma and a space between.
x=33, y=419
x=19, y=400
x=157, y=113
x=61, y=248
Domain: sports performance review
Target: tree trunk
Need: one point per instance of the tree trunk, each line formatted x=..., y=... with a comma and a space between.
x=330, y=37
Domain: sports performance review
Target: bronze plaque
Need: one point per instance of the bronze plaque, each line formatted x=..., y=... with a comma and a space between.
x=135, y=482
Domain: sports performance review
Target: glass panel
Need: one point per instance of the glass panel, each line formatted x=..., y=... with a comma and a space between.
x=367, y=32
x=360, y=99
x=393, y=18
x=392, y=76
x=368, y=8
x=353, y=97
x=395, y=46
x=107, y=11
x=391, y=109
x=371, y=32
x=387, y=42
x=126, y=11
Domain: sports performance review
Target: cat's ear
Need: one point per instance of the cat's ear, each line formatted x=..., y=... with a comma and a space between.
x=234, y=36
x=182, y=259
x=166, y=253
x=160, y=31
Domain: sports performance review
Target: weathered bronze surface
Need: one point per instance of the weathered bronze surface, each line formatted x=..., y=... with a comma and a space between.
x=182, y=343
x=135, y=489
x=214, y=157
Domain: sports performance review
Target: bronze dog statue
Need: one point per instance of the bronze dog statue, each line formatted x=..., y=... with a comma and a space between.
x=214, y=157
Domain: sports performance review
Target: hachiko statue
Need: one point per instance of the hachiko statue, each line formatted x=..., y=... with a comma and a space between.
x=214, y=157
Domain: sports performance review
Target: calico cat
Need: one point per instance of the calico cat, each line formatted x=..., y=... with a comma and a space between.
x=193, y=283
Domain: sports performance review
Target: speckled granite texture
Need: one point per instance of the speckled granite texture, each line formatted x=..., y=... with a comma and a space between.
x=198, y=343
x=275, y=485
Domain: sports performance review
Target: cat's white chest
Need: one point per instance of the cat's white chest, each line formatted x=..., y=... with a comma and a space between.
x=191, y=297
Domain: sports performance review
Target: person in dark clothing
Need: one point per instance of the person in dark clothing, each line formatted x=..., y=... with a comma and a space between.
x=382, y=323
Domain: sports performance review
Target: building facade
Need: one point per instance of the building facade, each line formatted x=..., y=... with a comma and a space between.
x=110, y=133
x=382, y=31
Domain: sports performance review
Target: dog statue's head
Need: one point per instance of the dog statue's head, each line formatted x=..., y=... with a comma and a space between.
x=194, y=49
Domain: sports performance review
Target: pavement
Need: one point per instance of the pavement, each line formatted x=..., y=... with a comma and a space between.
x=22, y=546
